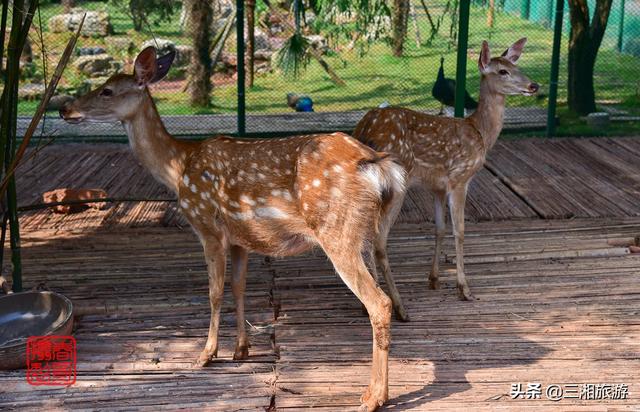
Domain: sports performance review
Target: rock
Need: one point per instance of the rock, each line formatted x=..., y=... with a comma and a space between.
x=70, y=195
x=31, y=91
x=183, y=55
x=90, y=84
x=56, y=102
x=98, y=65
x=163, y=46
x=318, y=42
x=96, y=24
x=263, y=55
x=262, y=41
x=90, y=51
x=121, y=44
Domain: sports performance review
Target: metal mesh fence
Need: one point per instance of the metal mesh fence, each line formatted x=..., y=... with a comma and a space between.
x=372, y=75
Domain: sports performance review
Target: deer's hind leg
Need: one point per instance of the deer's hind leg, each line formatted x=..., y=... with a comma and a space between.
x=389, y=215
x=439, y=201
x=351, y=267
x=457, y=200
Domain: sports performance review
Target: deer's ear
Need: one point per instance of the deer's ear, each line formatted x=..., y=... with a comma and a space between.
x=163, y=64
x=513, y=53
x=145, y=66
x=485, y=57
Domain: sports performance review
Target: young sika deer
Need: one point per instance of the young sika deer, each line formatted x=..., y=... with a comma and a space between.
x=276, y=197
x=443, y=154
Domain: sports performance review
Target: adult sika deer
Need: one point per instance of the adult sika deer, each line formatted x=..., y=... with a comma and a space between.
x=276, y=197
x=443, y=154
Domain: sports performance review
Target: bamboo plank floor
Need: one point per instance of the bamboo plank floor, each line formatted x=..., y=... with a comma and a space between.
x=558, y=304
x=529, y=178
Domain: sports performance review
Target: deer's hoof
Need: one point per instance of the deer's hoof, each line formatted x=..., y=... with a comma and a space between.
x=401, y=314
x=241, y=353
x=205, y=358
x=464, y=293
x=434, y=284
x=372, y=399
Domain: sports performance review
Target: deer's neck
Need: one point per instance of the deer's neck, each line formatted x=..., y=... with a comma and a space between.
x=156, y=149
x=489, y=116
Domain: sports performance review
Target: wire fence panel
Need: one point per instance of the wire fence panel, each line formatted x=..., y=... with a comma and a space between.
x=340, y=75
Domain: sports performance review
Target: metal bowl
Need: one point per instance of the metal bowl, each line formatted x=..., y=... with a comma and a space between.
x=30, y=314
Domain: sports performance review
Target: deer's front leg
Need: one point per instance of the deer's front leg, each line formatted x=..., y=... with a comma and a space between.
x=239, y=257
x=439, y=204
x=457, y=200
x=215, y=254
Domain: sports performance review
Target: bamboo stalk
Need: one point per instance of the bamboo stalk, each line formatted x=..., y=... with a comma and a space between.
x=41, y=107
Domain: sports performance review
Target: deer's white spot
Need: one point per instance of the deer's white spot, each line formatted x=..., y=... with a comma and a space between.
x=271, y=213
x=246, y=199
x=316, y=182
x=193, y=188
x=185, y=179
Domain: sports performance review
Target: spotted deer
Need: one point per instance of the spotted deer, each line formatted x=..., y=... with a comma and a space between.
x=277, y=197
x=443, y=154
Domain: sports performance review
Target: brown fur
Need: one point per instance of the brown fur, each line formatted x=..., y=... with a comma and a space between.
x=277, y=197
x=443, y=154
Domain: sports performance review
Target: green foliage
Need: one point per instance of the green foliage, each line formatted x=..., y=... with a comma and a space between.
x=342, y=19
x=143, y=12
x=293, y=57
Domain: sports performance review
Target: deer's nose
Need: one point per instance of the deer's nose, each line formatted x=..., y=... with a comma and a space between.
x=534, y=87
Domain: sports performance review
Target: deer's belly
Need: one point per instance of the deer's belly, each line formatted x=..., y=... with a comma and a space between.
x=270, y=237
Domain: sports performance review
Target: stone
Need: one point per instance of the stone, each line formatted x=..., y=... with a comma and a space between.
x=31, y=91
x=163, y=46
x=262, y=41
x=318, y=42
x=99, y=65
x=121, y=44
x=183, y=55
x=96, y=24
x=90, y=51
x=74, y=195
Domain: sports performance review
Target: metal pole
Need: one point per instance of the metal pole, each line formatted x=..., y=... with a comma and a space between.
x=621, y=26
x=461, y=66
x=555, y=68
x=525, y=11
x=240, y=66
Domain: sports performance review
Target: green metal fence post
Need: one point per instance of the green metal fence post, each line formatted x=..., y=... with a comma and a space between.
x=555, y=68
x=461, y=65
x=525, y=10
x=240, y=66
x=621, y=26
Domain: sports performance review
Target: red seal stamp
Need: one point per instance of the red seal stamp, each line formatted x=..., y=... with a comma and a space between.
x=51, y=360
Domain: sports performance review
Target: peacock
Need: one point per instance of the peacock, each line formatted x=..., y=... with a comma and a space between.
x=444, y=91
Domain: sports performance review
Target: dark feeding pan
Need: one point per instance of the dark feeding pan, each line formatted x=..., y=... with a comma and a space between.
x=30, y=314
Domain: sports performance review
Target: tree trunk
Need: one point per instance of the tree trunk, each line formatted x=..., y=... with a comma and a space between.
x=251, y=39
x=400, y=17
x=200, y=70
x=584, y=42
x=491, y=13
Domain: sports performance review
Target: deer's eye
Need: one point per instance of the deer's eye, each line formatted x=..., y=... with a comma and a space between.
x=106, y=92
x=503, y=72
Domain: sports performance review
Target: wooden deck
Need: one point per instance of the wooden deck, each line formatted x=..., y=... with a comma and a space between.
x=547, y=256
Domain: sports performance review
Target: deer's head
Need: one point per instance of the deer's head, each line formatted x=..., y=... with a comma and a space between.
x=120, y=97
x=501, y=73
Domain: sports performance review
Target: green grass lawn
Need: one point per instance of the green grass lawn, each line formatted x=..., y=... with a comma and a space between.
x=376, y=76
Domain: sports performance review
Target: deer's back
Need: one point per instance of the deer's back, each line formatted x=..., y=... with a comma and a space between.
x=273, y=195
x=439, y=151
